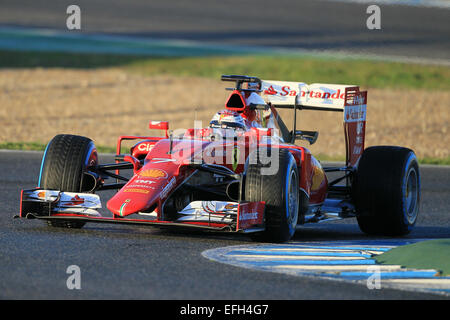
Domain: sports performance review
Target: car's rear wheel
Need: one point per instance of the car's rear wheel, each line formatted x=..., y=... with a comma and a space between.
x=387, y=190
x=63, y=164
x=279, y=190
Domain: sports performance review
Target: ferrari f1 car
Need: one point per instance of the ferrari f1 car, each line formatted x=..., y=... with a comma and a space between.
x=243, y=173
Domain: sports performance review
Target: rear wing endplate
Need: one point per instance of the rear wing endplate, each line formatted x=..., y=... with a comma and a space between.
x=355, y=111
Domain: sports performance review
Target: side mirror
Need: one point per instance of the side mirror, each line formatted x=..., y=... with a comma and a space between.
x=310, y=136
x=160, y=125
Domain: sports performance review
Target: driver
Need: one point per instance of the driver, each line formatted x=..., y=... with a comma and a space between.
x=253, y=118
x=225, y=123
x=226, y=119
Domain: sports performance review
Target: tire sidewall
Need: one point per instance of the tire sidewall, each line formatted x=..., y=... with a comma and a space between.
x=291, y=213
x=411, y=170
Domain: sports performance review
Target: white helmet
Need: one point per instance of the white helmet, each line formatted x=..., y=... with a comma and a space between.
x=227, y=119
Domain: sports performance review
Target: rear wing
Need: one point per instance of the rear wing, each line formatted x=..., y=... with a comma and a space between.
x=316, y=96
x=324, y=97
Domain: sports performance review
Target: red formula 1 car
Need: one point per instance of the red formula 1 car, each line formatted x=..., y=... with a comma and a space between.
x=242, y=173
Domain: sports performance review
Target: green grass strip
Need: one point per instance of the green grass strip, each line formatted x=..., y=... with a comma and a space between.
x=431, y=254
x=309, y=69
x=364, y=73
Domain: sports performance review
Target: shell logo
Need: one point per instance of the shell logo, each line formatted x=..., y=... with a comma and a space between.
x=317, y=179
x=153, y=173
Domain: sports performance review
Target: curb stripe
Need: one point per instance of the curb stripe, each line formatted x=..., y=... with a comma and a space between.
x=345, y=260
x=305, y=257
x=434, y=281
x=298, y=253
x=336, y=269
x=393, y=274
x=314, y=262
x=333, y=251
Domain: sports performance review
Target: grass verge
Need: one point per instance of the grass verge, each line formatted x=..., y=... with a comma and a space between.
x=309, y=69
x=431, y=254
x=37, y=146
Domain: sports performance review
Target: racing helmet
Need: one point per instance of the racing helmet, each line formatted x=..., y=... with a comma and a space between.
x=227, y=119
x=254, y=86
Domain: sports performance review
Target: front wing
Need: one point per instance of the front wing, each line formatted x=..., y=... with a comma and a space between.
x=52, y=205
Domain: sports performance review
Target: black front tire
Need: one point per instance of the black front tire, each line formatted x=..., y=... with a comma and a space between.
x=279, y=190
x=387, y=191
x=63, y=164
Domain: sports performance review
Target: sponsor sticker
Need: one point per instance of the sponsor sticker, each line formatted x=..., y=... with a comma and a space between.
x=136, y=190
x=145, y=146
x=141, y=186
x=77, y=200
x=355, y=113
x=248, y=216
x=153, y=173
x=231, y=206
x=144, y=181
x=317, y=179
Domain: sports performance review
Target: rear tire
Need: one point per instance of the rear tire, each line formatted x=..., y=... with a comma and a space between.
x=387, y=191
x=65, y=159
x=280, y=193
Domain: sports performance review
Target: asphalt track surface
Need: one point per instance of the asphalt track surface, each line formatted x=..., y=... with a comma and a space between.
x=128, y=262
x=320, y=25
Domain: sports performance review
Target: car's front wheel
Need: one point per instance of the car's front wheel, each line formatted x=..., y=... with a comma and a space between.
x=276, y=183
x=63, y=164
